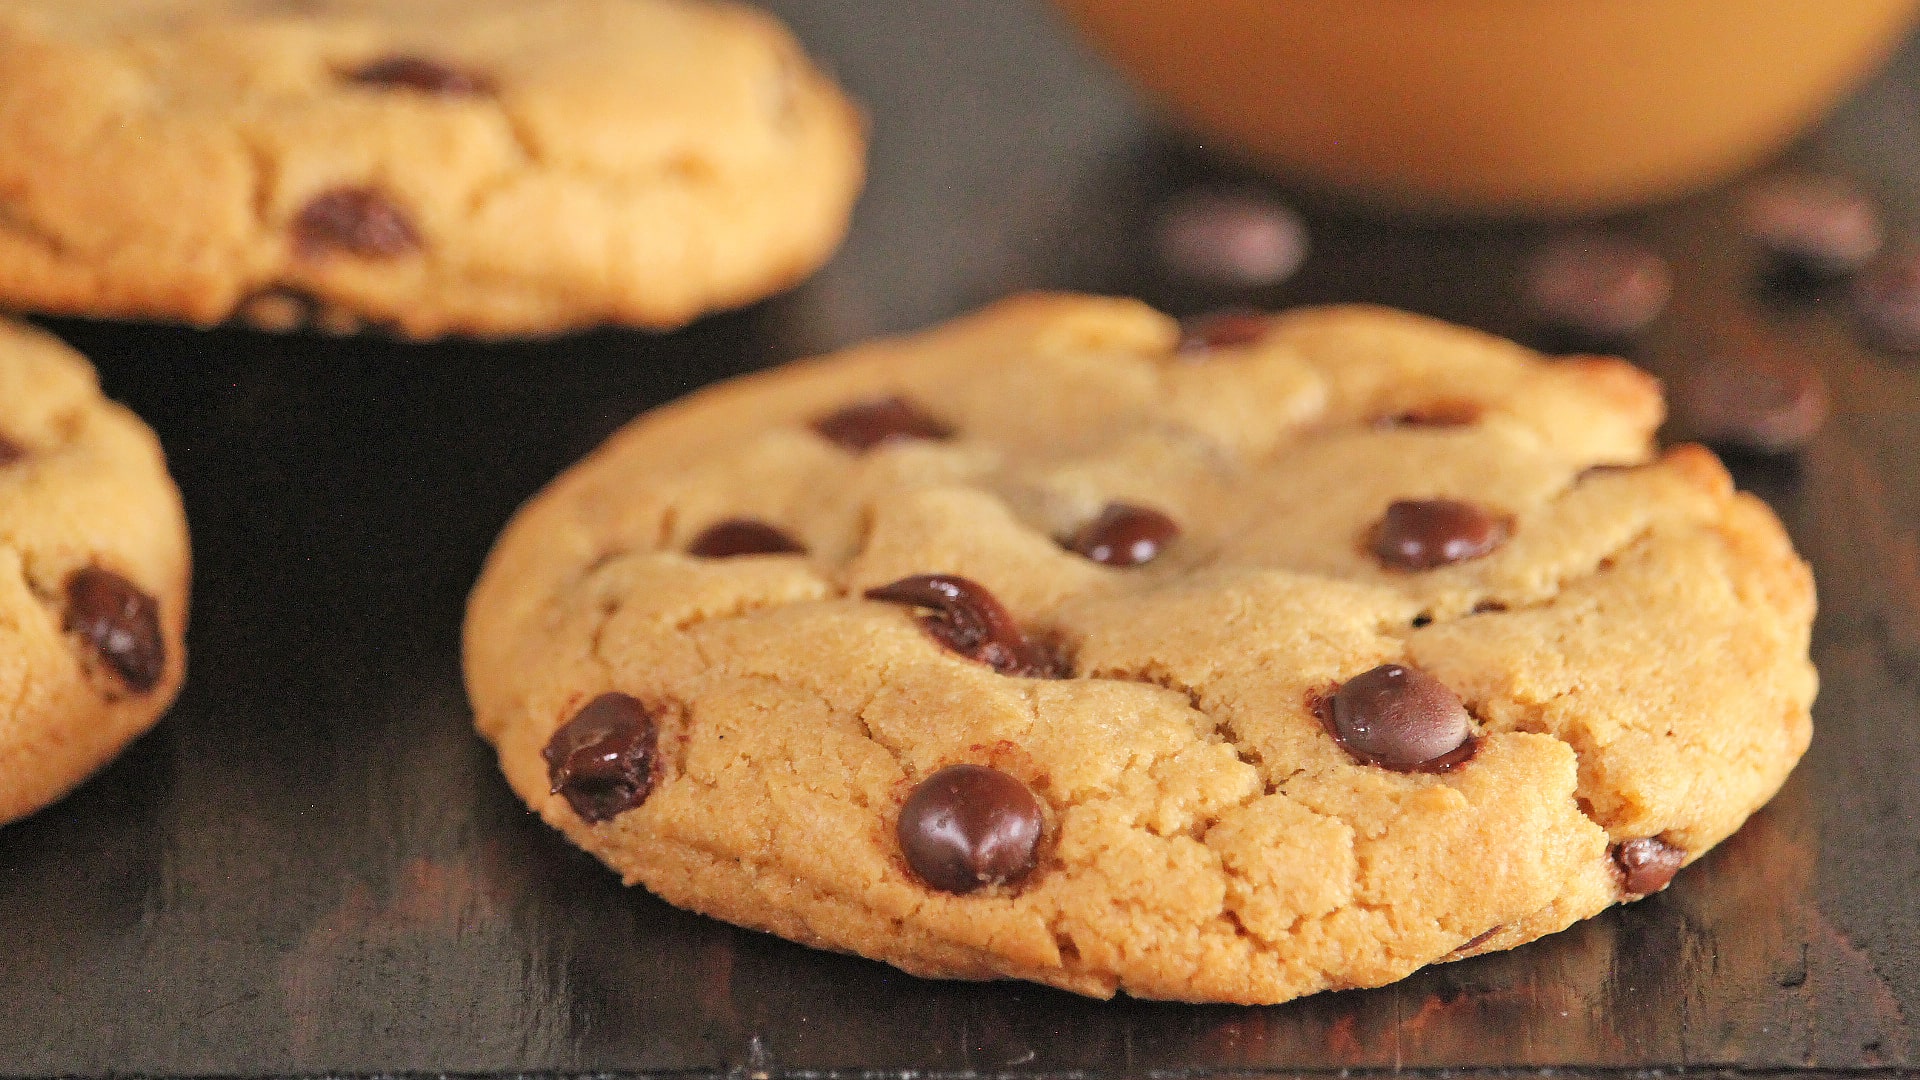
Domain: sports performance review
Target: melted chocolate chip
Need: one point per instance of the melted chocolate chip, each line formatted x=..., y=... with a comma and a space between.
x=743, y=536
x=968, y=826
x=1647, y=864
x=10, y=451
x=420, y=74
x=1231, y=329
x=1420, y=534
x=1887, y=301
x=1477, y=940
x=602, y=760
x=1238, y=240
x=120, y=623
x=1439, y=414
x=1814, y=228
x=356, y=221
x=1599, y=285
x=868, y=424
x=968, y=620
x=1125, y=535
x=1401, y=718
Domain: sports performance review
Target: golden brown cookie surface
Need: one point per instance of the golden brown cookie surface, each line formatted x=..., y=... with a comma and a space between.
x=489, y=167
x=93, y=574
x=1048, y=644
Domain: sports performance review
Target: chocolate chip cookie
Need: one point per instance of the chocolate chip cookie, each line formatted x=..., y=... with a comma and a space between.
x=1231, y=662
x=93, y=574
x=482, y=167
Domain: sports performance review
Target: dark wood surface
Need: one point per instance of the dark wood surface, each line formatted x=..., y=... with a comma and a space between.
x=313, y=866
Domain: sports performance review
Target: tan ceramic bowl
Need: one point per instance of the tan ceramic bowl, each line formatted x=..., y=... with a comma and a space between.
x=1537, y=106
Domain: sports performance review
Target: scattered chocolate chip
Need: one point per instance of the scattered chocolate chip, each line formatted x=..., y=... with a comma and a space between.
x=1647, y=864
x=968, y=826
x=1438, y=414
x=421, y=74
x=10, y=451
x=1422, y=619
x=1233, y=239
x=1488, y=607
x=1814, y=228
x=968, y=620
x=1887, y=301
x=868, y=424
x=743, y=536
x=1125, y=535
x=1478, y=940
x=602, y=760
x=1231, y=329
x=1600, y=285
x=1770, y=407
x=1401, y=718
x=1420, y=534
x=356, y=221
x=120, y=622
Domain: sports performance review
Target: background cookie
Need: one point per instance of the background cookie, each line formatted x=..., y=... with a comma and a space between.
x=93, y=574
x=488, y=167
x=1316, y=649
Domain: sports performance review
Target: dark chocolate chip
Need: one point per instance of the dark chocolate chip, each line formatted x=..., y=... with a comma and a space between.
x=358, y=221
x=602, y=760
x=1401, y=718
x=10, y=451
x=121, y=624
x=1125, y=535
x=1232, y=329
x=968, y=826
x=968, y=620
x=1647, y=864
x=1233, y=239
x=1887, y=301
x=1600, y=285
x=743, y=536
x=1814, y=228
x=1477, y=940
x=420, y=74
x=1438, y=414
x=1769, y=406
x=868, y=424
x=1420, y=534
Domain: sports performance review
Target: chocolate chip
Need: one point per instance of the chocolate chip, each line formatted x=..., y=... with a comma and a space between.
x=602, y=760
x=1420, y=534
x=1647, y=864
x=968, y=620
x=1232, y=329
x=868, y=424
x=1125, y=535
x=968, y=826
x=421, y=74
x=10, y=451
x=1814, y=228
x=1887, y=301
x=1597, y=284
x=1438, y=414
x=743, y=536
x=121, y=623
x=1401, y=718
x=356, y=221
x=1746, y=404
x=1477, y=940
x=1238, y=240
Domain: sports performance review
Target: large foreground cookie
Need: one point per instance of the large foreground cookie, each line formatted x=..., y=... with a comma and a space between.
x=1291, y=656
x=93, y=574
x=436, y=166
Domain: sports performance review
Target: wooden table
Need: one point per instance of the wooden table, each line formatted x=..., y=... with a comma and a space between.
x=313, y=865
